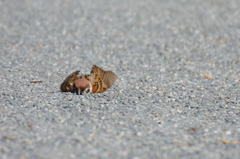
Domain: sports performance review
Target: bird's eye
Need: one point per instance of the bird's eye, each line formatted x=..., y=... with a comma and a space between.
x=87, y=90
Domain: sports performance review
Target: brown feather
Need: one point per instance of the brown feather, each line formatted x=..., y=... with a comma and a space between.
x=68, y=82
x=100, y=79
x=104, y=79
x=109, y=78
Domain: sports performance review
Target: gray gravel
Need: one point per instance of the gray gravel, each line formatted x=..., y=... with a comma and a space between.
x=163, y=105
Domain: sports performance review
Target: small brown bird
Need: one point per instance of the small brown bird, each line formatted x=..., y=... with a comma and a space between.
x=97, y=82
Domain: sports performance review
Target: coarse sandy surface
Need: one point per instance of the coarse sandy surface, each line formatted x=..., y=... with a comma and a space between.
x=178, y=89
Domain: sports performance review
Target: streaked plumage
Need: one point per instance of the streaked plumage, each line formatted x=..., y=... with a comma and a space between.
x=97, y=82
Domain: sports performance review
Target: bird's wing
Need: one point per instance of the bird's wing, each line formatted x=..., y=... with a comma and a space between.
x=101, y=80
x=68, y=82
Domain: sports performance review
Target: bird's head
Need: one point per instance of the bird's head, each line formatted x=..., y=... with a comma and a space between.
x=81, y=86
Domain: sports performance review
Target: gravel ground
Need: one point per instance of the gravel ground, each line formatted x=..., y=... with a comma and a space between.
x=178, y=91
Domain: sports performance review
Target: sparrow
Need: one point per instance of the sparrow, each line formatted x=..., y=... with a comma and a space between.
x=97, y=81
